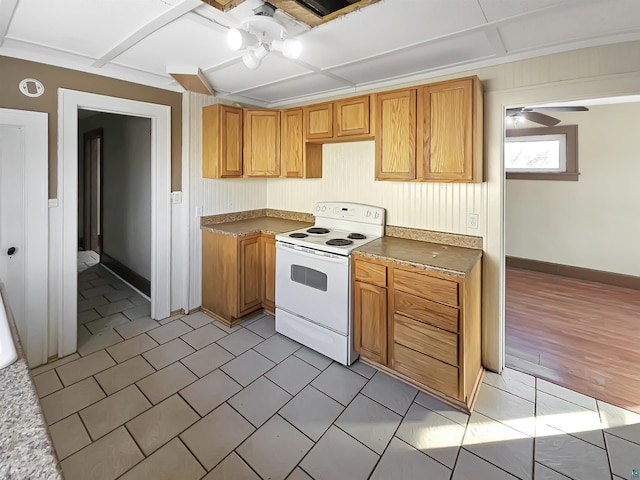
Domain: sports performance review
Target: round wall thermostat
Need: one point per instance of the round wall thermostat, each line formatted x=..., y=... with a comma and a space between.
x=31, y=87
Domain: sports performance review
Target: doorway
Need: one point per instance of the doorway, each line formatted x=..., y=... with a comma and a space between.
x=66, y=223
x=572, y=283
x=90, y=199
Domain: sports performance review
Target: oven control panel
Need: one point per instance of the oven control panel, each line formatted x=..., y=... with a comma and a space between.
x=356, y=212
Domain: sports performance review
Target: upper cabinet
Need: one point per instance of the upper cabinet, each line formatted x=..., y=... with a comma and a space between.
x=318, y=121
x=352, y=116
x=221, y=141
x=262, y=143
x=427, y=133
x=451, y=131
x=396, y=135
x=298, y=160
x=431, y=133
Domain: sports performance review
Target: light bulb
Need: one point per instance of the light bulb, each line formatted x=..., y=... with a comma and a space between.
x=290, y=48
x=238, y=39
x=253, y=58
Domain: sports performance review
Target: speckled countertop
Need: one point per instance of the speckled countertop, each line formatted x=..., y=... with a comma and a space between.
x=26, y=451
x=429, y=256
x=250, y=226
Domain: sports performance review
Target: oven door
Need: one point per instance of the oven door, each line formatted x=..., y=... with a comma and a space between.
x=314, y=285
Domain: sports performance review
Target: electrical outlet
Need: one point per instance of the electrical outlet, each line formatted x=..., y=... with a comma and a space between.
x=199, y=211
x=472, y=220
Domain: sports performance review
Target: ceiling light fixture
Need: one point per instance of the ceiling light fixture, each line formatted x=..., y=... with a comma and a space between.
x=260, y=34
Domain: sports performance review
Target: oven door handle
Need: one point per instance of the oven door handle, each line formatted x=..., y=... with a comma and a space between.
x=306, y=252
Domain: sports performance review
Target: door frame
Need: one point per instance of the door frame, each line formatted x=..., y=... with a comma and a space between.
x=36, y=144
x=87, y=195
x=69, y=101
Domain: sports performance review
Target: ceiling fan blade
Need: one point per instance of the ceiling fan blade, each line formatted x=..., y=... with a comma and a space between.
x=540, y=118
x=558, y=109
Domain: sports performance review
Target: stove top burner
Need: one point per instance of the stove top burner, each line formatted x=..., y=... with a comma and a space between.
x=339, y=242
x=356, y=236
x=318, y=230
x=298, y=235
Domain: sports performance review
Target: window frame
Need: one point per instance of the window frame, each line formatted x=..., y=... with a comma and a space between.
x=570, y=133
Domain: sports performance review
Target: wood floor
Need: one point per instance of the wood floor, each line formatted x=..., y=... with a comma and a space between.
x=578, y=334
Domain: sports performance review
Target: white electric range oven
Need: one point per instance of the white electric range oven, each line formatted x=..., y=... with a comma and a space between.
x=313, y=277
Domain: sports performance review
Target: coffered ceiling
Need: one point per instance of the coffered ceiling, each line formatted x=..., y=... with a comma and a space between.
x=383, y=42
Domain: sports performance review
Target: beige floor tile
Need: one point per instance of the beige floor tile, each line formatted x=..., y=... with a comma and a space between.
x=84, y=367
x=54, y=364
x=137, y=327
x=161, y=423
x=111, y=321
x=402, y=461
x=210, y=391
x=99, y=341
x=171, y=462
x=197, y=320
x=87, y=316
x=166, y=382
x=203, y=336
x=132, y=347
x=204, y=438
x=299, y=474
x=207, y=360
x=139, y=311
x=232, y=468
x=124, y=374
x=70, y=400
x=168, y=353
x=169, y=331
x=113, y=411
x=91, y=303
x=115, y=307
x=46, y=383
x=69, y=436
x=105, y=459
x=275, y=448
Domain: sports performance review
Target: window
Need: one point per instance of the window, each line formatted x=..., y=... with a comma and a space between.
x=542, y=153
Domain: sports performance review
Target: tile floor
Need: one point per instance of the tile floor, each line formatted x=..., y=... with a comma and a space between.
x=189, y=398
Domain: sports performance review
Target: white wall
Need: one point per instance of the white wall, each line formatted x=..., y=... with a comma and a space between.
x=348, y=175
x=591, y=223
x=126, y=188
x=214, y=196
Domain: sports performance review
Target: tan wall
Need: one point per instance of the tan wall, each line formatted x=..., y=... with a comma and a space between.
x=12, y=71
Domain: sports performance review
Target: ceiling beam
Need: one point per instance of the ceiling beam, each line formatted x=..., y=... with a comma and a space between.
x=493, y=35
x=7, y=9
x=223, y=5
x=154, y=25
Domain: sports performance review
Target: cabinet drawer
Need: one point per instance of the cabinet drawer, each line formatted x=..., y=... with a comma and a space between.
x=426, y=370
x=436, y=289
x=426, y=339
x=426, y=311
x=371, y=273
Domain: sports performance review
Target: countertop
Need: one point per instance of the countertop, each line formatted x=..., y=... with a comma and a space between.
x=26, y=450
x=426, y=255
x=270, y=225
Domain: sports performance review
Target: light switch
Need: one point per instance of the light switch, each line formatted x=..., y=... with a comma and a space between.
x=176, y=197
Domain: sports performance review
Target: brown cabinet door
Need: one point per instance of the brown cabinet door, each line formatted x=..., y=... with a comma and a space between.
x=352, y=116
x=370, y=322
x=250, y=274
x=262, y=143
x=292, y=143
x=220, y=275
x=447, y=129
x=396, y=135
x=318, y=121
x=269, y=262
x=221, y=141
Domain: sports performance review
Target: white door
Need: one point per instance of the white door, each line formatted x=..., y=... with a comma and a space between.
x=24, y=225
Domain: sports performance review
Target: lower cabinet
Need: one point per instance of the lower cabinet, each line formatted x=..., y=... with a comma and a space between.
x=238, y=275
x=423, y=327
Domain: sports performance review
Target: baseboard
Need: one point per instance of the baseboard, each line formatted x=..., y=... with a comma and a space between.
x=126, y=273
x=579, y=273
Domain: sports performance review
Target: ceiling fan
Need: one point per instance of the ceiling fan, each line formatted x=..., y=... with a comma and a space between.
x=535, y=114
